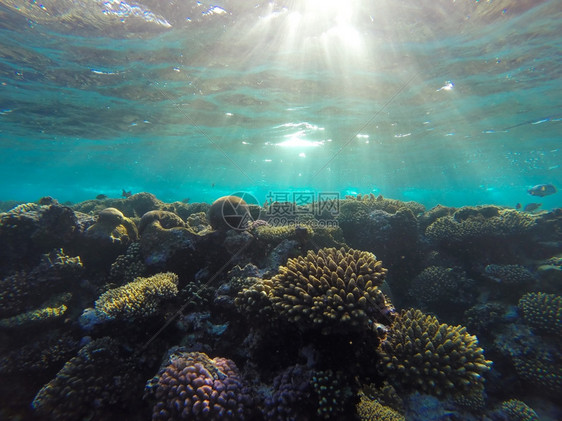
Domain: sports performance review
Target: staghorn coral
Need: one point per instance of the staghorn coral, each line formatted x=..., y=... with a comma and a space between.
x=193, y=386
x=96, y=381
x=543, y=312
x=433, y=358
x=137, y=299
x=516, y=410
x=372, y=410
x=332, y=290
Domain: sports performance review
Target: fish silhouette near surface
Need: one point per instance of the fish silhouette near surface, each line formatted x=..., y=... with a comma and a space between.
x=518, y=206
x=542, y=190
x=532, y=206
x=126, y=194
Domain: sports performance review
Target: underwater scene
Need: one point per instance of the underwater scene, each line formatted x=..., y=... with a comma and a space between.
x=281, y=210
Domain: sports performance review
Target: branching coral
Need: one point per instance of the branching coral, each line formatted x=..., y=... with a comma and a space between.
x=542, y=312
x=372, y=410
x=332, y=290
x=137, y=299
x=517, y=410
x=89, y=384
x=438, y=359
x=194, y=386
x=479, y=223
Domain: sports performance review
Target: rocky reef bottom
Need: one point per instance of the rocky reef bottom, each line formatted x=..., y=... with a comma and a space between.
x=365, y=308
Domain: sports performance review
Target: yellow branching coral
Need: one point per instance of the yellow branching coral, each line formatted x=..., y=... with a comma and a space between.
x=433, y=358
x=542, y=312
x=373, y=410
x=139, y=298
x=333, y=290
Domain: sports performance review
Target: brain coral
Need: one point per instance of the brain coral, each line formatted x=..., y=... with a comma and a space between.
x=334, y=290
x=139, y=298
x=542, y=312
x=433, y=358
x=193, y=386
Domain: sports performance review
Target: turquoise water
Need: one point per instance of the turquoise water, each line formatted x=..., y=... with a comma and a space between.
x=457, y=103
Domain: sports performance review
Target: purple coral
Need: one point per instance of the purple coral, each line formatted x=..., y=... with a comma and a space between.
x=192, y=386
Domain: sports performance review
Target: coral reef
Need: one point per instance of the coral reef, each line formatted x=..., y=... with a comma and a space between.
x=438, y=359
x=472, y=229
x=372, y=410
x=290, y=396
x=510, y=275
x=128, y=266
x=137, y=299
x=30, y=230
x=193, y=386
x=25, y=290
x=332, y=290
x=516, y=410
x=49, y=311
x=97, y=380
x=542, y=312
x=444, y=289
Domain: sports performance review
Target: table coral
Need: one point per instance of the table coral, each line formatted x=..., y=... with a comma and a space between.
x=439, y=359
x=543, y=312
x=137, y=299
x=193, y=386
x=332, y=290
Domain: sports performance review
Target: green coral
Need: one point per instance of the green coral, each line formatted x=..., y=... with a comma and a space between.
x=332, y=290
x=517, y=410
x=542, y=312
x=438, y=359
x=137, y=299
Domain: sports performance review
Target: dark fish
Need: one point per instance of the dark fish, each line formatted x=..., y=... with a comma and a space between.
x=186, y=200
x=126, y=194
x=518, y=206
x=101, y=197
x=532, y=206
x=542, y=190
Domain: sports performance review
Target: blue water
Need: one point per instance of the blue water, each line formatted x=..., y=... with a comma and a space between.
x=457, y=103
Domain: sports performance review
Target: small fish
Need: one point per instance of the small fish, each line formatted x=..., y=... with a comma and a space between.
x=101, y=197
x=213, y=185
x=532, y=206
x=186, y=200
x=518, y=206
x=542, y=190
x=126, y=194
